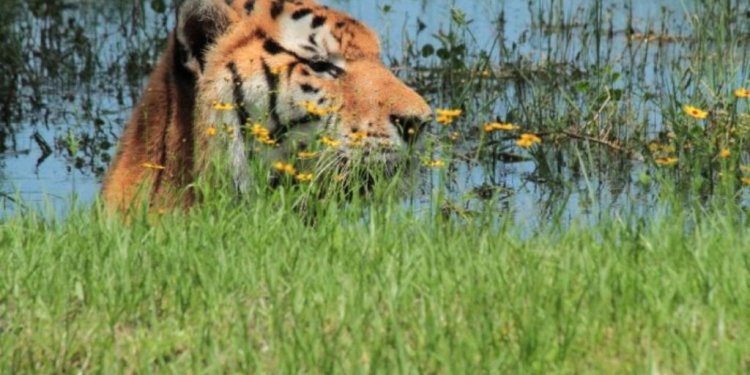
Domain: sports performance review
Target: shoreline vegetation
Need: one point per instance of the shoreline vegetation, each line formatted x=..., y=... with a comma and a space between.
x=579, y=206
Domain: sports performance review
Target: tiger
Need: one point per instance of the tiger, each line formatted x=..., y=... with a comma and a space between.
x=269, y=77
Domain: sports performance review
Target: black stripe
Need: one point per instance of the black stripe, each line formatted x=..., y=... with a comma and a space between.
x=273, y=94
x=276, y=8
x=280, y=129
x=274, y=48
x=325, y=67
x=301, y=13
x=318, y=21
x=307, y=88
x=290, y=69
x=239, y=95
x=249, y=6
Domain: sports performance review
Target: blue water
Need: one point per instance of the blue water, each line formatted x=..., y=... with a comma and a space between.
x=54, y=182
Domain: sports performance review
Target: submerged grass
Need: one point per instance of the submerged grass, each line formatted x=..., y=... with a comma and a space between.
x=256, y=288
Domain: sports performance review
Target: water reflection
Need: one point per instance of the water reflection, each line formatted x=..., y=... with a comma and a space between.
x=70, y=73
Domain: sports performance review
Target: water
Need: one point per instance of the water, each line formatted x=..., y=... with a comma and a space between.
x=81, y=116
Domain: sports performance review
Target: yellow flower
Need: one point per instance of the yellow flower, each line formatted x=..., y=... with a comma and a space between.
x=262, y=134
x=223, y=106
x=148, y=165
x=434, y=164
x=328, y=141
x=495, y=126
x=667, y=161
x=527, y=140
x=304, y=177
x=267, y=141
x=742, y=93
x=313, y=109
x=211, y=131
x=284, y=167
x=725, y=153
x=259, y=130
x=449, y=112
x=695, y=112
x=358, y=138
x=444, y=120
x=306, y=155
x=745, y=181
x=447, y=116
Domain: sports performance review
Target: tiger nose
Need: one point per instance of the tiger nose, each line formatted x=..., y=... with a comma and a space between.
x=410, y=127
x=411, y=115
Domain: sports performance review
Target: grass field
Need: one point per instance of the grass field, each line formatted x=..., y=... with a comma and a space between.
x=254, y=289
x=637, y=260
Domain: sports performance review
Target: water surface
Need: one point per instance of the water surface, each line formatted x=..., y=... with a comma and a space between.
x=79, y=111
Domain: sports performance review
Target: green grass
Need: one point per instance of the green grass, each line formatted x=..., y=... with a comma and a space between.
x=259, y=287
x=251, y=288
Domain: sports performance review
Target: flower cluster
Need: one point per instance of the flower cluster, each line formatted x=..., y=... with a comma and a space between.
x=289, y=170
x=262, y=134
x=314, y=109
x=666, y=161
x=358, y=138
x=304, y=177
x=447, y=116
x=223, y=106
x=663, y=154
x=665, y=157
x=528, y=140
x=330, y=142
x=497, y=126
x=284, y=167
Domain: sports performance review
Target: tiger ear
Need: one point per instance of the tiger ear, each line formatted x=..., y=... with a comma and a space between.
x=199, y=24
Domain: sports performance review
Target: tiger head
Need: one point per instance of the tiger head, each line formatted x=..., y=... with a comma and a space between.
x=283, y=75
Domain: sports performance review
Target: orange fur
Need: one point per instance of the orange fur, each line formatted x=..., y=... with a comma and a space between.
x=159, y=134
x=225, y=53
